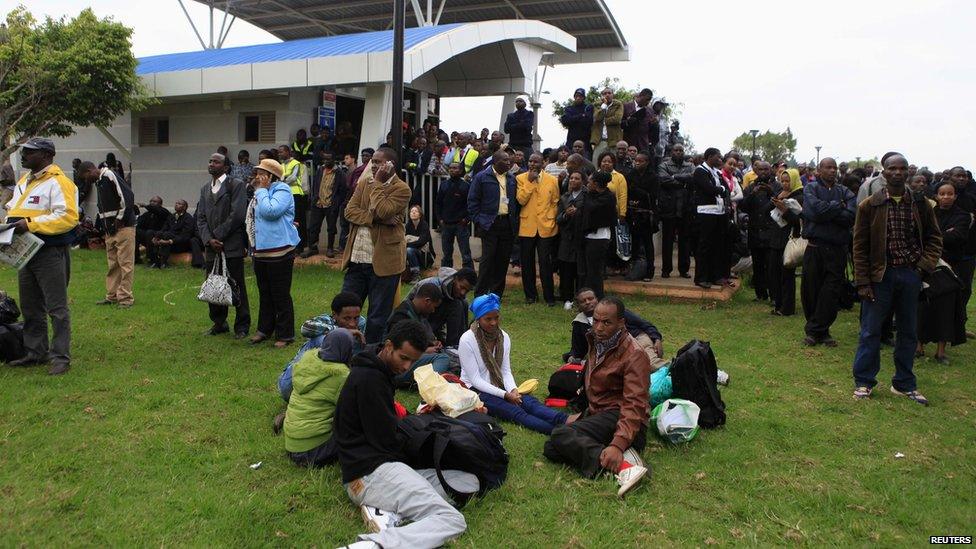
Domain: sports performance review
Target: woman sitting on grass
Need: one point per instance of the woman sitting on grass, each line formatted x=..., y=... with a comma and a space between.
x=485, y=367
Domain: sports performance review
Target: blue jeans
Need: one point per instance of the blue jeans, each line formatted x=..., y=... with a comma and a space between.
x=462, y=233
x=284, y=380
x=897, y=291
x=378, y=290
x=414, y=258
x=532, y=413
x=440, y=361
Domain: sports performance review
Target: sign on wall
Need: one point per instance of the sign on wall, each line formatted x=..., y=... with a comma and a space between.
x=327, y=112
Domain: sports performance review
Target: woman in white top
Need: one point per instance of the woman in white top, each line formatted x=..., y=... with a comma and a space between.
x=486, y=368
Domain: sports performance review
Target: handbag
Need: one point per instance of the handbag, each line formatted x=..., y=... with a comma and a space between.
x=216, y=289
x=796, y=246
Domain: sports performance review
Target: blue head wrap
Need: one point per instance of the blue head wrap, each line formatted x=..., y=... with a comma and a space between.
x=484, y=304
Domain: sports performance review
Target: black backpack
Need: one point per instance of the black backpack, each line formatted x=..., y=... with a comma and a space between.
x=566, y=387
x=693, y=377
x=473, y=445
x=12, y=342
x=9, y=311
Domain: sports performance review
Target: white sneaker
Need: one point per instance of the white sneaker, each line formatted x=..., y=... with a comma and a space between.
x=722, y=378
x=364, y=544
x=629, y=477
x=568, y=306
x=377, y=519
x=632, y=457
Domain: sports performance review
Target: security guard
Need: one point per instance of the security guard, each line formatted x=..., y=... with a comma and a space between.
x=294, y=176
x=302, y=146
x=45, y=204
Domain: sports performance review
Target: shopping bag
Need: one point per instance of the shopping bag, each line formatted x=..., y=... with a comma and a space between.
x=793, y=254
x=216, y=289
x=451, y=398
x=676, y=420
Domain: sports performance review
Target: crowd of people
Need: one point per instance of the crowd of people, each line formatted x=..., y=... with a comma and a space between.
x=583, y=211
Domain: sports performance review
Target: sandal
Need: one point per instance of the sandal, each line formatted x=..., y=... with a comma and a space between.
x=862, y=393
x=281, y=344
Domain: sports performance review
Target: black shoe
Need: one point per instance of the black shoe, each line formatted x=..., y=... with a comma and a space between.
x=58, y=369
x=665, y=275
x=217, y=330
x=550, y=303
x=308, y=253
x=828, y=342
x=685, y=275
x=25, y=362
x=811, y=341
x=704, y=285
x=531, y=300
x=240, y=335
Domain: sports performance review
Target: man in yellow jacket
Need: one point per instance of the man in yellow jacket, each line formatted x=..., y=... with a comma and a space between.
x=538, y=194
x=45, y=204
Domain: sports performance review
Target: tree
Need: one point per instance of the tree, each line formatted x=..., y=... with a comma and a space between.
x=770, y=146
x=61, y=74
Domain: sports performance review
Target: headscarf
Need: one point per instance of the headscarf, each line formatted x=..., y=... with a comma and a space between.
x=337, y=346
x=484, y=304
x=795, y=182
x=491, y=344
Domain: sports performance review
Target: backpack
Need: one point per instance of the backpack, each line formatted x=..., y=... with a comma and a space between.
x=9, y=311
x=566, y=387
x=693, y=377
x=12, y=342
x=436, y=441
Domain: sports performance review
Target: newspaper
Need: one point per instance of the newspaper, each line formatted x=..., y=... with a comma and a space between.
x=21, y=247
x=792, y=205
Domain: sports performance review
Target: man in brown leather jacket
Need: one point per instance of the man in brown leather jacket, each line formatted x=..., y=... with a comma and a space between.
x=896, y=241
x=375, y=255
x=611, y=433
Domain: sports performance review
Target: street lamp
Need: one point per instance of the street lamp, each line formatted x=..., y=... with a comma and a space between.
x=396, y=125
x=818, y=153
x=753, y=132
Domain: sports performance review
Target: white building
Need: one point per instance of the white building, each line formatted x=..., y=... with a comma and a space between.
x=256, y=97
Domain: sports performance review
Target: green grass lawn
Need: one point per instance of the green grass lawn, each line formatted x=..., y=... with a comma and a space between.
x=149, y=438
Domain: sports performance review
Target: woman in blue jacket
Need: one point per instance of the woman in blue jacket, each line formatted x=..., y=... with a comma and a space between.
x=272, y=235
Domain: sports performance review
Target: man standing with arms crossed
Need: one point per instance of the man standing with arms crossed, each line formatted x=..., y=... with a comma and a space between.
x=44, y=203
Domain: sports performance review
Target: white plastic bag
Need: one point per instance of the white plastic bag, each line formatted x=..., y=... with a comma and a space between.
x=451, y=398
x=676, y=419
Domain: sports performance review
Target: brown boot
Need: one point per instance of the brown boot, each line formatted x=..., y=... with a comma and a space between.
x=278, y=423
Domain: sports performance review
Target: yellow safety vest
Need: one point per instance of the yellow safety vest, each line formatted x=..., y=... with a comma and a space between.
x=304, y=151
x=289, y=168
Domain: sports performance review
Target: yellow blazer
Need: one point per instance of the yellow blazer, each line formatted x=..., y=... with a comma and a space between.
x=540, y=202
x=618, y=186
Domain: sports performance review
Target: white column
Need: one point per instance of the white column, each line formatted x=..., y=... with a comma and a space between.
x=508, y=106
x=422, y=113
x=377, y=114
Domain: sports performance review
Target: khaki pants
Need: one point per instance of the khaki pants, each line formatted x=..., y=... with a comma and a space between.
x=120, y=251
x=647, y=345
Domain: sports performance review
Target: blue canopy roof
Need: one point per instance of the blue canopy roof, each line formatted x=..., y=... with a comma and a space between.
x=326, y=46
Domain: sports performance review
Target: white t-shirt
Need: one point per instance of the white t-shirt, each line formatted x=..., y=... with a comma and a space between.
x=475, y=374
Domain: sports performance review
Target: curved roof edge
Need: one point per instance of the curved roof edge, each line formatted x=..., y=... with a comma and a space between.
x=320, y=62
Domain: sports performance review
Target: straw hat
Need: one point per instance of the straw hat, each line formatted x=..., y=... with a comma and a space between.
x=272, y=167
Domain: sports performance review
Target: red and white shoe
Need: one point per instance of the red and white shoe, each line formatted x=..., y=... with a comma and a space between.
x=632, y=470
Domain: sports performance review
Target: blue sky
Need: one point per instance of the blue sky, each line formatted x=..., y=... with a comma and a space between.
x=858, y=78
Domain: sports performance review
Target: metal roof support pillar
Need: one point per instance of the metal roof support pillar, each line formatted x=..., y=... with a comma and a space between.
x=399, y=11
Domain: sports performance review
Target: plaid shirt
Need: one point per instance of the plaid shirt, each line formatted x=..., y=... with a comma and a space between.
x=904, y=249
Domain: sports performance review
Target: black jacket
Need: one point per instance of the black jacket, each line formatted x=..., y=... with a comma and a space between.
x=340, y=191
x=421, y=230
x=828, y=214
x=365, y=421
x=599, y=210
x=221, y=216
x=955, y=226
x=518, y=126
x=568, y=225
x=452, y=200
x=109, y=200
x=153, y=219
x=757, y=202
x=706, y=189
x=578, y=121
x=179, y=228
x=675, y=182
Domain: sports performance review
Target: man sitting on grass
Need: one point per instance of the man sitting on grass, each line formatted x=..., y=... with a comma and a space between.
x=450, y=319
x=611, y=432
x=647, y=336
x=419, y=306
x=371, y=456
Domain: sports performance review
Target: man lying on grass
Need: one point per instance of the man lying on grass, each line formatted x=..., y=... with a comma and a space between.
x=371, y=456
x=610, y=434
